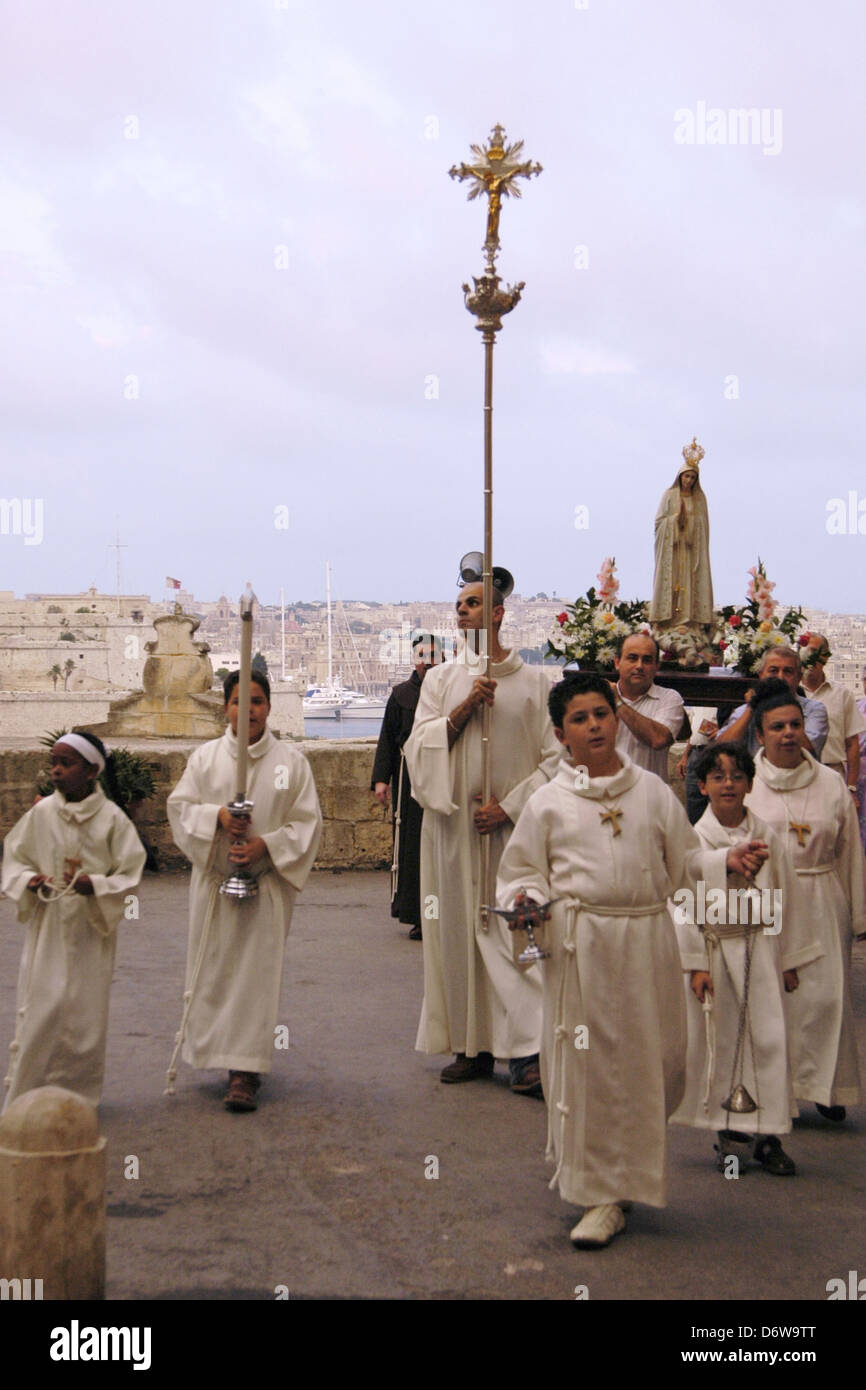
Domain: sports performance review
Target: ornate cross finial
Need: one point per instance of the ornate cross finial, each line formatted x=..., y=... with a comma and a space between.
x=495, y=169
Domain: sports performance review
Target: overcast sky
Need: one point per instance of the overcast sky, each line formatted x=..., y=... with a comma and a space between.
x=231, y=261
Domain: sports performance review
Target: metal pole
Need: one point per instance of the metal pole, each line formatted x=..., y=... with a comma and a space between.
x=494, y=172
x=487, y=617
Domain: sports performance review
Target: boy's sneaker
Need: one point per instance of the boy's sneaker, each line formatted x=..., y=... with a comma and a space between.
x=772, y=1157
x=598, y=1226
x=732, y=1144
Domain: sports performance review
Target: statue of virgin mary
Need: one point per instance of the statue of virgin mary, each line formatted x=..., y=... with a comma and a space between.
x=683, y=585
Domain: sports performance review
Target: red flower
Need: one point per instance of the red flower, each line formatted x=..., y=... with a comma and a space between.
x=804, y=640
x=735, y=621
x=562, y=619
x=722, y=645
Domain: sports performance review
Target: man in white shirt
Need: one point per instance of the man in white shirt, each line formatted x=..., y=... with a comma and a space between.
x=842, y=749
x=649, y=716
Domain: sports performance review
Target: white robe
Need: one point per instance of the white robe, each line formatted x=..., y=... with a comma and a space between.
x=474, y=999
x=66, y=967
x=820, y=1017
x=236, y=987
x=613, y=1049
x=766, y=1070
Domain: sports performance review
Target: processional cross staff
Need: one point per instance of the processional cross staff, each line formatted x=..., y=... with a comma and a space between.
x=494, y=172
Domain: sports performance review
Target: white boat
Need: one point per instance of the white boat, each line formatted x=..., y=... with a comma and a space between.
x=360, y=706
x=322, y=702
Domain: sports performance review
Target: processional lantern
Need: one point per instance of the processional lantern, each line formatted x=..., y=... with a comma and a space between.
x=494, y=171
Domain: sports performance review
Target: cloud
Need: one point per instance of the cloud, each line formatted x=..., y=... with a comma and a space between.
x=569, y=357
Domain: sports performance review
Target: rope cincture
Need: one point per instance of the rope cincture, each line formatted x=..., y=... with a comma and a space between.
x=171, y=1074
x=398, y=815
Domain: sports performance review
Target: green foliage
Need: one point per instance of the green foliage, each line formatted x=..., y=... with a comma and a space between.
x=259, y=664
x=134, y=777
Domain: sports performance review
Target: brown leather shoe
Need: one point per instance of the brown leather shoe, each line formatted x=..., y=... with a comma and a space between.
x=465, y=1068
x=241, y=1094
x=528, y=1081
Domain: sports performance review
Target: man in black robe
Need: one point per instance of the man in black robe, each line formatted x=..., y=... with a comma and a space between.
x=389, y=768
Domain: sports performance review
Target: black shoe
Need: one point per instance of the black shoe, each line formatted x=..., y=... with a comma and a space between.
x=772, y=1157
x=465, y=1068
x=732, y=1145
x=836, y=1113
x=415, y=934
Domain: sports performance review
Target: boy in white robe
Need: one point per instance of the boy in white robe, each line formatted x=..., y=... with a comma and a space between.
x=68, y=864
x=235, y=958
x=721, y=934
x=812, y=811
x=609, y=843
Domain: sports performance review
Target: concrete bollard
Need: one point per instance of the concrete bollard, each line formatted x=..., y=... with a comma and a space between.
x=52, y=1197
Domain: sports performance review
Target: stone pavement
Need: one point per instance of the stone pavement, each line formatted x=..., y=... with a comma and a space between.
x=324, y=1190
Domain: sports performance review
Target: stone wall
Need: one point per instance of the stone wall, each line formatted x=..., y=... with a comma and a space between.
x=357, y=831
x=31, y=713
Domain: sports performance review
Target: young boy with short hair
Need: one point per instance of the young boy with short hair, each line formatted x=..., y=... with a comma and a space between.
x=741, y=948
x=609, y=842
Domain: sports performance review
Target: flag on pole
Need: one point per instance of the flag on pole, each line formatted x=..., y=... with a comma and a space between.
x=171, y=583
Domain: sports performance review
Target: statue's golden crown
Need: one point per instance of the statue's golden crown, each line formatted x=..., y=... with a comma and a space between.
x=693, y=453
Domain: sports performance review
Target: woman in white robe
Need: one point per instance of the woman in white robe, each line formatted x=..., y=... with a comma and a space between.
x=784, y=943
x=68, y=959
x=236, y=948
x=813, y=813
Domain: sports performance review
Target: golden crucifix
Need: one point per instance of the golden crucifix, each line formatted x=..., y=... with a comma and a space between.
x=612, y=815
x=495, y=169
x=801, y=831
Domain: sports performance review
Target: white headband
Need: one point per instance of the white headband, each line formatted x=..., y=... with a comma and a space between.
x=84, y=747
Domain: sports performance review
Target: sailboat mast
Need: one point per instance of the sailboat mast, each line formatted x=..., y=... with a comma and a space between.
x=330, y=648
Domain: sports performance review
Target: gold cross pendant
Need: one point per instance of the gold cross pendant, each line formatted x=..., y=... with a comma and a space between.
x=800, y=831
x=613, y=817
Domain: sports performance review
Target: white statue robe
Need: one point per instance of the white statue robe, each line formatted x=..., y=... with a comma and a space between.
x=829, y=869
x=68, y=959
x=235, y=958
x=614, y=1039
x=682, y=583
x=474, y=998
x=766, y=1070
